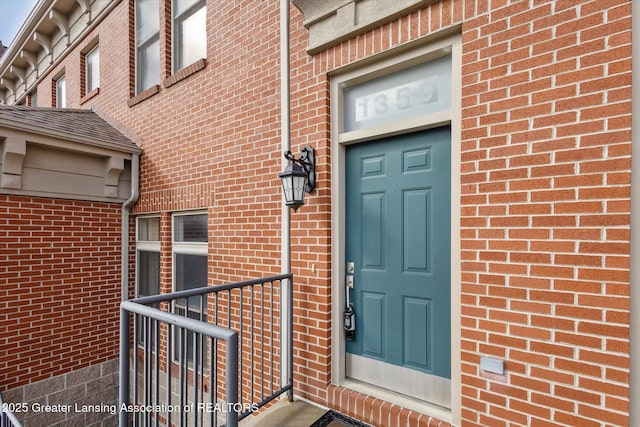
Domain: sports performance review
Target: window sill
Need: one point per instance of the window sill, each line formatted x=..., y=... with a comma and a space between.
x=184, y=73
x=90, y=95
x=146, y=94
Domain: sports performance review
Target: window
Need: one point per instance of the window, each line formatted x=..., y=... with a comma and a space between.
x=189, y=32
x=410, y=93
x=92, y=70
x=147, y=44
x=61, y=93
x=33, y=99
x=148, y=256
x=190, y=249
x=147, y=260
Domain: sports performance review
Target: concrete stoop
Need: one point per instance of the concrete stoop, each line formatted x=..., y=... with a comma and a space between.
x=299, y=414
x=286, y=414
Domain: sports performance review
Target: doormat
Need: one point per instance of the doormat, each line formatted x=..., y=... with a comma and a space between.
x=335, y=419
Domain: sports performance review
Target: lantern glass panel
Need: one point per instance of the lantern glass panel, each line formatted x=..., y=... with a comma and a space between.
x=294, y=179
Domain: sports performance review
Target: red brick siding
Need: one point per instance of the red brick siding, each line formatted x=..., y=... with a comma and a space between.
x=378, y=412
x=545, y=168
x=310, y=124
x=545, y=212
x=59, y=286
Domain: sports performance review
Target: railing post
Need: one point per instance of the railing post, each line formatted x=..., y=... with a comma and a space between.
x=290, y=343
x=124, y=367
x=232, y=380
x=289, y=361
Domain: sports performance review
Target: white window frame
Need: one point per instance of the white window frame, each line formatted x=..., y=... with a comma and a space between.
x=61, y=92
x=186, y=248
x=91, y=66
x=145, y=246
x=142, y=45
x=177, y=21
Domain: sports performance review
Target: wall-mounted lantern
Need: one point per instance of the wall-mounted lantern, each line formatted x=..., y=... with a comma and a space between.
x=298, y=177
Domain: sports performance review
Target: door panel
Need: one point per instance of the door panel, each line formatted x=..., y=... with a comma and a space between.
x=417, y=339
x=398, y=235
x=373, y=223
x=416, y=230
x=373, y=331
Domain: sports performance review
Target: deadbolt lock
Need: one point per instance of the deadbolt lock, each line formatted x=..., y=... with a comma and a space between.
x=351, y=267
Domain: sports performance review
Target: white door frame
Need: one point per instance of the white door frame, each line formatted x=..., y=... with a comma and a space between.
x=395, y=60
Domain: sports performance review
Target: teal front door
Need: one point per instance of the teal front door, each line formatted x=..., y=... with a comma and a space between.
x=398, y=203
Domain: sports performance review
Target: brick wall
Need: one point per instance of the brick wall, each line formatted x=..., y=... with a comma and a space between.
x=59, y=287
x=545, y=204
x=546, y=159
x=312, y=224
x=545, y=186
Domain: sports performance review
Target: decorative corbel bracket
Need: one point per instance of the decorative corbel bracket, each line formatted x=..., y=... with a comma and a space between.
x=10, y=85
x=31, y=60
x=21, y=74
x=45, y=42
x=63, y=24
x=86, y=9
x=13, y=152
x=113, y=170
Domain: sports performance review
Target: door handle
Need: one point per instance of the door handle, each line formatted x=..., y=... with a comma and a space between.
x=349, y=281
x=349, y=313
x=348, y=285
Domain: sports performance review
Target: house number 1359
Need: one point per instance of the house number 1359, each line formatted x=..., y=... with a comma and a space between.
x=399, y=99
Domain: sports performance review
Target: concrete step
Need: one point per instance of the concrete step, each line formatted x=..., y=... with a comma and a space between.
x=287, y=414
x=299, y=414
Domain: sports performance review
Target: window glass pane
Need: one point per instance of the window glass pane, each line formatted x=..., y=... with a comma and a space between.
x=93, y=69
x=191, y=272
x=61, y=93
x=148, y=273
x=147, y=20
x=149, y=229
x=147, y=44
x=190, y=228
x=418, y=90
x=191, y=38
x=148, y=69
x=180, y=6
x=190, y=269
x=148, y=264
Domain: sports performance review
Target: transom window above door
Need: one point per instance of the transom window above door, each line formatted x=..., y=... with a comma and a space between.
x=415, y=91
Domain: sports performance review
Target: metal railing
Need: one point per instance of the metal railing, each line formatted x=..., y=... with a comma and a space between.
x=206, y=353
x=7, y=418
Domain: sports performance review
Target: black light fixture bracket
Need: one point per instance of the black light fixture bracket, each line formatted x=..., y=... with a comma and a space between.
x=307, y=160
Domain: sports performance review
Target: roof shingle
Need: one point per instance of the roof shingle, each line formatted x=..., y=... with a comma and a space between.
x=84, y=124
